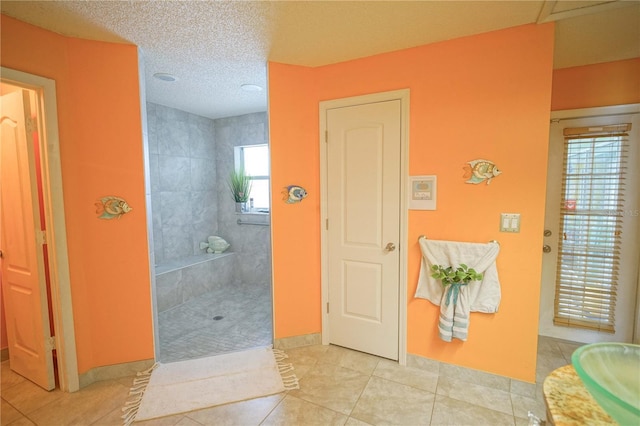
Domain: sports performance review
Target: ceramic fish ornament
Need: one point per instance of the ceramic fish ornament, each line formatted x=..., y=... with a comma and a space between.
x=112, y=208
x=478, y=171
x=215, y=244
x=293, y=194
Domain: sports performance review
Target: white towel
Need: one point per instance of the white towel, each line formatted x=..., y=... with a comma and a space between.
x=454, y=317
x=477, y=296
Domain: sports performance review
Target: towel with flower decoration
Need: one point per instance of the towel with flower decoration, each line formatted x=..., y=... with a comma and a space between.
x=457, y=301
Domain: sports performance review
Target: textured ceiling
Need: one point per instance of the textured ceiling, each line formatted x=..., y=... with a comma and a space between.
x=213, y=47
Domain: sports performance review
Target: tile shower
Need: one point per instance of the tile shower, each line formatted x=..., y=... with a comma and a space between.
x=205, y=303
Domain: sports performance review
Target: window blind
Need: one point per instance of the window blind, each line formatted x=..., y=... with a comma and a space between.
x=593, y=184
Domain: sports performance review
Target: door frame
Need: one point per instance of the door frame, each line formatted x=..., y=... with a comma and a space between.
x=403, y=96
x=56, y=227
x=546, y=293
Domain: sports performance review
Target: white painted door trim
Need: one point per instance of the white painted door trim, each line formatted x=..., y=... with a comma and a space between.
x=403, y=96
x=56, y=228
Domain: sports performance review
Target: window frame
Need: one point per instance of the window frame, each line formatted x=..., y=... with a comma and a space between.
x=587, y=281
x=239, y=164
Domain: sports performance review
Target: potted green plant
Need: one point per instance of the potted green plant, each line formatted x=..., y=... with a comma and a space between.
x=453, y=279
x=461, y=275
x=240, y=186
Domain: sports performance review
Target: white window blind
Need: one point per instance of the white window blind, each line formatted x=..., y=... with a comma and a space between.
x=595, y=161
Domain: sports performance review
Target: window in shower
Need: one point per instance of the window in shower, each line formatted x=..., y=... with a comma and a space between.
x=254, y=159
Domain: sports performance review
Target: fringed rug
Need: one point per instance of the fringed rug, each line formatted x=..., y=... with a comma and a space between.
x=167, y=389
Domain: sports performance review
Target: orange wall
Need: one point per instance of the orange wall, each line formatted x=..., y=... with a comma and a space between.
x=485, y=96
x=610, y=83
x=293, y=142
x=101, y=154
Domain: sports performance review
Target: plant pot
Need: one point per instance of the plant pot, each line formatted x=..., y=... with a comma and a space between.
x=241, y=207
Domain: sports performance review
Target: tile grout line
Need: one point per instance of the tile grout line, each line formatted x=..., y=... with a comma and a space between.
x=15, y=408
x=435, y=395
x=361, y=392
x=286, y=393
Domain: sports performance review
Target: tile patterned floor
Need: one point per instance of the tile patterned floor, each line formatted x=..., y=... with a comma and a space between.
x=195, y=329
x=337, y=387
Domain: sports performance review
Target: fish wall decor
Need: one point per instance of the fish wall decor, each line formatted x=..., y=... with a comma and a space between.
x=112, y=207
x=478, y=171
x=293, y=194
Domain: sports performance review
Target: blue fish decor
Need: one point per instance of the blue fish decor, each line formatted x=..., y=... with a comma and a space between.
x=293, y=194
x=478, y=171
x=112, y=208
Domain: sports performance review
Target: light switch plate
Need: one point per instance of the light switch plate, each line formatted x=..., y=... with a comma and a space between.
x=510, y=222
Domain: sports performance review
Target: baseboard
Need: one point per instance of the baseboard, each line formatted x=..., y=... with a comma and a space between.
x=298, y=341
x=4, y=354
x=115, y=371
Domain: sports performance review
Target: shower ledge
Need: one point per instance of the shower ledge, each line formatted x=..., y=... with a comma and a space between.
x=175, y=264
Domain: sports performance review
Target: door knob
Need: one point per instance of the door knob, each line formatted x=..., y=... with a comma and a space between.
x=546, y=248
x=390, y=247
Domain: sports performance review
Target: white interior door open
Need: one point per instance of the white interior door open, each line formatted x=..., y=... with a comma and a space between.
x=363, y=228
x=23, y=274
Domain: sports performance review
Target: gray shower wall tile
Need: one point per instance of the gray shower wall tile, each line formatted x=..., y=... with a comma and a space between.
x=250, y=243
x=242, y=120
x=203, y=174
x=200, y=231
x=196, y=280
x=175, y=208
x=173, y=131
x=223, y=272
x=154, y=173
x=169, y=290
x=156, y=222
x=201, y=137
x=177, y=243
x=152, y=128
x=224, y=149
x=204, y=222
x=252, y=134
x=191, y=200
x=192, y=281
x=204, y=207
x=252, y=271
x=183, y=176
x=174, y=173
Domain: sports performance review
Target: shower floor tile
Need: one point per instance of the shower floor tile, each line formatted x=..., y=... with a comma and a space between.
x=231, y=319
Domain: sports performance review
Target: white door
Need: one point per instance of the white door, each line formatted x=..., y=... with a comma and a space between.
x=363, y=185
x=23, y=276
x=629, y=253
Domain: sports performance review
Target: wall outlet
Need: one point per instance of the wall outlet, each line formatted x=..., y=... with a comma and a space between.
x=510, y=222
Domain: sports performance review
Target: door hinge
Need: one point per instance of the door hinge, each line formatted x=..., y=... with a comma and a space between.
x=31, y=124
x=51, y=343
x=326, y=224
x=41, y=237
x=327, y=307
x=326, y=136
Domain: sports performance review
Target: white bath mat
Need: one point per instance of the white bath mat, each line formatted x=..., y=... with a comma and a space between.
x=178, y=387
